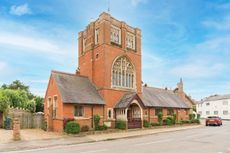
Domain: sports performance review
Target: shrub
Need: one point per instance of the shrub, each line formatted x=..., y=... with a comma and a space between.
x=101, y=127
x=96, y=119
x=120, y=125
x=44, y=126
x=192, y=116
x=146, y=124
x=198, y=116
x=169, y=120
x=174, y=118
x=185, y=121
x=160, y=117
x=72, y=127
x=155, y=124
x=196, y=121
x=66, y=120
x=85, y=128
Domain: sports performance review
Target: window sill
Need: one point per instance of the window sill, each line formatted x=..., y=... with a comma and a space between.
x=81, y=118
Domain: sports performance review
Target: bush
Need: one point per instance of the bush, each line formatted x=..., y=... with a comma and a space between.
x=192, y=116
x=84, y=128
x=44, y=126
x=185, y=121
x=72, y=127
x=120, y=125
x=169, y=120
x=146, y=124
x=66, y=120
x=101, y=127
x=155, y=124
x=96, y=119
x=198, y=116
x=174, y=118
x=160, y=117
x=196, y=121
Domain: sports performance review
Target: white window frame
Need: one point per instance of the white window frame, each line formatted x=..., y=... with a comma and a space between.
x=110, y=109
x=225, y=112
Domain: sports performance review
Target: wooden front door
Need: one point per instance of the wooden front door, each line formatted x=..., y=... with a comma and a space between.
x=134, y=123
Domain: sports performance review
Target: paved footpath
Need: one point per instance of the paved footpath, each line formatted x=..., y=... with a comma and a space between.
x=36, y=144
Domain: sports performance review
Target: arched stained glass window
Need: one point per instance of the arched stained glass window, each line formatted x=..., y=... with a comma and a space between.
x=123, y=73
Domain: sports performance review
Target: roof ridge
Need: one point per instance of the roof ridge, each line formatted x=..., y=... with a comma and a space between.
x=66, y=73
x=158, y=88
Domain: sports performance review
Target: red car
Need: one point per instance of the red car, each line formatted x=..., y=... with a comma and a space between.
x=213, y=120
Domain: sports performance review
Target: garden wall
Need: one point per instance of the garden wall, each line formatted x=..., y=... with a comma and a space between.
x=27, y=119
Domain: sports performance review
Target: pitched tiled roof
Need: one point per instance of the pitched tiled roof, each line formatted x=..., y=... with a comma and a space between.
x=125, y=100
x=76, y=89
x=155, y=97
x=217, y=97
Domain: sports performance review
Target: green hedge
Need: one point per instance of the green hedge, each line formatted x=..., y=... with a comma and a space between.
x=120, y=125
x=146, y=124
x=72, y=127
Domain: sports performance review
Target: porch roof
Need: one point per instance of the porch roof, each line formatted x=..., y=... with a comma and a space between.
x=76, y=89
x=125, y=101
x=156, y=97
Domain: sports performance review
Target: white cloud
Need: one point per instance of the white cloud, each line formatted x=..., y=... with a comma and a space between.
x=137, y=2
x=32, y=44
x=198, y=70
x=20, y=10
x=6, y=70
x=223, y=24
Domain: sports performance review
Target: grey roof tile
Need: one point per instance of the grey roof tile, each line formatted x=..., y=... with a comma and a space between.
x=76, y=89
x=155, y=97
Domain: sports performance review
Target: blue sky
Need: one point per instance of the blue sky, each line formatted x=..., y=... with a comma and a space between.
x=180, y=38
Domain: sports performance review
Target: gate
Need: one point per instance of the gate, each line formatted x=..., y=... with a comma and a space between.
x=134, y=123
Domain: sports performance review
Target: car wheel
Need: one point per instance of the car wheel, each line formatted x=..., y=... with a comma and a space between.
x=206, y=124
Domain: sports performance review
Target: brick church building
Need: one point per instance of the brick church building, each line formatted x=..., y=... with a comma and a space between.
x=108, y=82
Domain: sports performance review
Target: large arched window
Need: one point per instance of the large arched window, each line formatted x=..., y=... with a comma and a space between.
x=123, y=73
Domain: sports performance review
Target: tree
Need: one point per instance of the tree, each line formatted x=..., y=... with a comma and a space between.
x=15, y=85
x=4, y=105
x=39, y=101
x=19, y=95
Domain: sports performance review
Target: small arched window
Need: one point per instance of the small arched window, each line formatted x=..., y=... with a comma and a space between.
x=123, y=73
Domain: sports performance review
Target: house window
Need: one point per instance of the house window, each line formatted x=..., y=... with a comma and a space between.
x=123, y=73
x=157, y=111
x=170, y=111
x=96, y=36
x=110, y=113
x=215, y=112
x=130, y=40
x=49, y=102
x=207, y=112
x=200, y=112
x=225, y=102
x=55, y=107
x=78, y=111
x=225, y=112
x=207, y=104
x=115, y=35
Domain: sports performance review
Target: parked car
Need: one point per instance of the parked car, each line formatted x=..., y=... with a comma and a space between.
x=213, y=120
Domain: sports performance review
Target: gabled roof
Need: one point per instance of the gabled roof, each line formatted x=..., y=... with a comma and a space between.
x=76, y=89
x=155, y=97
x=217, y=97
x=126, y=100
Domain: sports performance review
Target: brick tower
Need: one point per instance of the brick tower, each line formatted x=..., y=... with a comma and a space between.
x=110, y=56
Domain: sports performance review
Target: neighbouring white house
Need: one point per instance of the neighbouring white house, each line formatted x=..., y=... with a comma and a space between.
x=217, y=105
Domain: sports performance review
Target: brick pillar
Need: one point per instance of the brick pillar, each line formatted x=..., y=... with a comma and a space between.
x=16, y=129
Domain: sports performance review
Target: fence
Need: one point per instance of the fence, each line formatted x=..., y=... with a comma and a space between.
x=26, y=118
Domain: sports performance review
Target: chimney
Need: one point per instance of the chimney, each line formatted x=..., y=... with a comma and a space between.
x=180, y=87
